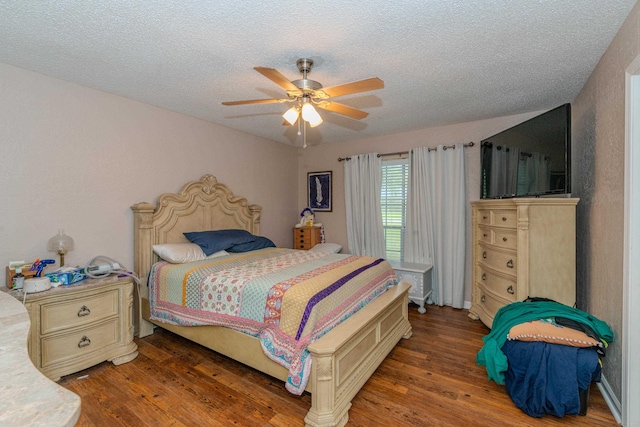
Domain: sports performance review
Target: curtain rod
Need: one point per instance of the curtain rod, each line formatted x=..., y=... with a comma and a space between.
x=400, y=153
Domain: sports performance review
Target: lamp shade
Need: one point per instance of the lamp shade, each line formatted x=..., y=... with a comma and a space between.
x=311, y=115
x=291, y=115
x=61, y=244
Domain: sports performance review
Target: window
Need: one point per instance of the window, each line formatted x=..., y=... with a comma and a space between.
x=393, y=200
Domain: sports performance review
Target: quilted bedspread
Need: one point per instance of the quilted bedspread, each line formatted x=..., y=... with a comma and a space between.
x=286, y=298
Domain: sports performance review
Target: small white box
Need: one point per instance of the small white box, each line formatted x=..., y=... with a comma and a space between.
x=418, y=276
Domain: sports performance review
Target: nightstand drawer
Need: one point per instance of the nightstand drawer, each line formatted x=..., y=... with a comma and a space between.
x=80, y=342
x=80, y=311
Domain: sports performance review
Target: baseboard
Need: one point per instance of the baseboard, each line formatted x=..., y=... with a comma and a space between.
x=467, y=305
x=612, y=401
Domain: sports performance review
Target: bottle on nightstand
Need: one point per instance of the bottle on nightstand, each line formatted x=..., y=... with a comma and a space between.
x=18, y=279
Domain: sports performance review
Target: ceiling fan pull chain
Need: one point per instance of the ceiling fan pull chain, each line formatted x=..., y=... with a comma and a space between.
x=304, y=137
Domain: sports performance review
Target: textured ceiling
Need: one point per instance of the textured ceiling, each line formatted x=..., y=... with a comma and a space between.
x=442, y=61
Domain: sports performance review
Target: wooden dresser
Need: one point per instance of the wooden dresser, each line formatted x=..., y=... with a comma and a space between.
x=522, y=247
x=306, y=237
x=77, y=326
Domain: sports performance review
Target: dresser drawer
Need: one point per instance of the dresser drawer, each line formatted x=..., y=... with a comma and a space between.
x=503, y=238
x=306, y=238
x=57, y=348
x=501, y=286
x=302, y=233
x=498, y=217
x=489, y=303
x=504, y=262
x=57, y=316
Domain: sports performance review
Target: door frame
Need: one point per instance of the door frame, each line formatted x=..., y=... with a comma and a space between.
x=631, y=276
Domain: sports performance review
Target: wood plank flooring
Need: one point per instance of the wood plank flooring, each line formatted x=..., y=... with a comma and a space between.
x=430, y=379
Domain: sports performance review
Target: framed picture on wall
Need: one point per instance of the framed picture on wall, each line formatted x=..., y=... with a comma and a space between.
x=319, y=191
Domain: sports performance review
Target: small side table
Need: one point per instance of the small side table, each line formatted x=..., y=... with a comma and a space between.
x=305, y=238
x=77, y=326
x=419, y=277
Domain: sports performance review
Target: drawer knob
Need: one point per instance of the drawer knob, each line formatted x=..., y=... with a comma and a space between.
x=510, y=263
x=484, y=276
x=484, y=235
x=504, y=239
x=484, y=217
x=482, y=298
x=510, y=289
x=484, y=254
x=84, y=311
x=504, y=218
x=84, y=342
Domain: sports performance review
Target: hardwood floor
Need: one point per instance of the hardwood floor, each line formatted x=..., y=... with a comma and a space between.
x=430, y=379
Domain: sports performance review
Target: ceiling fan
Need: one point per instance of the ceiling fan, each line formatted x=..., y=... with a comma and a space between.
x=305, y=93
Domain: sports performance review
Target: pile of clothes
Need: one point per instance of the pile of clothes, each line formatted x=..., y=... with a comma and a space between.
x=547, y=354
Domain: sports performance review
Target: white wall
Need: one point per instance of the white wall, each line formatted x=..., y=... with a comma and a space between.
x=325, y=158
x=78, y=158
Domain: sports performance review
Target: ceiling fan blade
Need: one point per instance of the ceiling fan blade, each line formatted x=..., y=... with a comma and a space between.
x=373, y=83
x=255, y=101
x=345, y=110
x=278, y=78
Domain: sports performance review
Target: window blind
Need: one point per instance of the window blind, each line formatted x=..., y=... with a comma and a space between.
x=393, y=202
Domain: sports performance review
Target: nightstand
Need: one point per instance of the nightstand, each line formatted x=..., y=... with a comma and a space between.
x=306, y=237
x=418, y=276
x=77, y=326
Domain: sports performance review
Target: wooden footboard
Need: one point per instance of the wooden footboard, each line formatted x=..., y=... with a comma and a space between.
x=345, y=358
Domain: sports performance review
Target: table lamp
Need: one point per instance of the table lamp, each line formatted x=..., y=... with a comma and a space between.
x=60, y=243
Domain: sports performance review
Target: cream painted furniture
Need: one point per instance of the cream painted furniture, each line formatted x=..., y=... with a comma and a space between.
x=522, y=247
x=306, y=237
x=78, y=326
x=28, y=397
x=342, y=360
x=419, y=277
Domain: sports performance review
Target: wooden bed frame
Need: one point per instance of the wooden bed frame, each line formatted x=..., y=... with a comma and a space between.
x=342, y=360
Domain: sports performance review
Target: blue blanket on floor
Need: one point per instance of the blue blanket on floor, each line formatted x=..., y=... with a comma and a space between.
x=545, y=378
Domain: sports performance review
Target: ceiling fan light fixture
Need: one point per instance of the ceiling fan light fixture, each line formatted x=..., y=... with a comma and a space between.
x=291, y=115
x=310, y=115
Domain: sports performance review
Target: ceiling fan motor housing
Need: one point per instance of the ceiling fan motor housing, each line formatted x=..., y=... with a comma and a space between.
x=304, y=65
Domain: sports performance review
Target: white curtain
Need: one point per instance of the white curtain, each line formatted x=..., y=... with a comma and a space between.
x=436, y=206
x=362, y=187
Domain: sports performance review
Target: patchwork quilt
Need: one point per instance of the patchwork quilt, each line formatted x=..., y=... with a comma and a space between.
x=286, y=298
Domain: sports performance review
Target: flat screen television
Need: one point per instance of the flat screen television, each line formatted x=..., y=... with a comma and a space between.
x=531, y=159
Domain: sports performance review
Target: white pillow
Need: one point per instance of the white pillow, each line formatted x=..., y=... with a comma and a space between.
x=178, y=253
x=330, y=248
x=217, y=254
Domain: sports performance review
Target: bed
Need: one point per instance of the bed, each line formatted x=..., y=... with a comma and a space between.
x=341, y=360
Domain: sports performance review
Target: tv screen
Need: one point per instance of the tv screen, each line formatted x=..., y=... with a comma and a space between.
x=531, y=159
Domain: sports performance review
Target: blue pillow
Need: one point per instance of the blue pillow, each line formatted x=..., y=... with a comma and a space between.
x=260, y=243
x=219, y=240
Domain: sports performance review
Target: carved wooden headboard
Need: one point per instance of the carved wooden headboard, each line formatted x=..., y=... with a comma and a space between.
x=200, y=205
